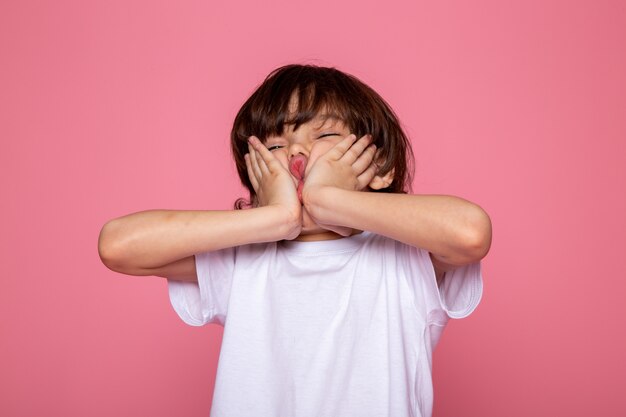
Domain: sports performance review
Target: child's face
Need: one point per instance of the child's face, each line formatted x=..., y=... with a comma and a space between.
x=312, y=139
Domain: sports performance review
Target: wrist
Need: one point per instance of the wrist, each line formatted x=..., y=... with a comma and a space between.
x=316, y=201
x=279, y=222
x=288, y=221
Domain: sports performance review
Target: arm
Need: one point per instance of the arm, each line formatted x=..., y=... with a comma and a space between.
x=454, y=230
x=141, y=243
x=163, y=242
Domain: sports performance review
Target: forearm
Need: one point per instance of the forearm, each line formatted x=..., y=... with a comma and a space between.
x=456, y=230
x=153, y=238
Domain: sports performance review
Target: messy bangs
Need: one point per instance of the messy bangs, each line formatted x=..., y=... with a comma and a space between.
x=296, y=94
x=293, y=100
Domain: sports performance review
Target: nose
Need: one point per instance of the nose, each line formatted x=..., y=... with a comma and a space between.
x=298, y=148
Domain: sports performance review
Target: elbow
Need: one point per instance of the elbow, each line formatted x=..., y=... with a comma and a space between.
x=472, y=240
x=479, y=235
x=108, y=247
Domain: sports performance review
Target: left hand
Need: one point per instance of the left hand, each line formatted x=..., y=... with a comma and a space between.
x=348, y=165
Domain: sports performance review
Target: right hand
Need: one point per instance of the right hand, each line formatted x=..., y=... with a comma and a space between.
x=273, y=184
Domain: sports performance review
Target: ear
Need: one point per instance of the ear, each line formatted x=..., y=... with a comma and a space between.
x=379, y=182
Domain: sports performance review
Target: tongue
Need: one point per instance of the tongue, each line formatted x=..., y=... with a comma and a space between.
x=297, y=166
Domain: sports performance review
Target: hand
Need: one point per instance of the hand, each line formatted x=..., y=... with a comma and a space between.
x=272, y=183
x=348, y=165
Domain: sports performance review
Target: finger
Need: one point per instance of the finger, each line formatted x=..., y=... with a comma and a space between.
x=253, y=180
x=265, y=157
x=258, y=148
x=337, y=151
x=253, y=162
x=365, y=159
x=367, y=176
x=356, y=149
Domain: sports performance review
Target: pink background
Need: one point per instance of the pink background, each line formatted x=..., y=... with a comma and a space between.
x=112, y=107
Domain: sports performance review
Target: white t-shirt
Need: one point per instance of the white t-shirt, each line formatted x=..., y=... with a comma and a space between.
x=332, y=328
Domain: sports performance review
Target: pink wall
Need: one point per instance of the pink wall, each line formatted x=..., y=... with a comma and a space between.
x=113, y=107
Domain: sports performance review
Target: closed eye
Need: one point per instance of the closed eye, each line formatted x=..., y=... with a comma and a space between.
x=271, y=148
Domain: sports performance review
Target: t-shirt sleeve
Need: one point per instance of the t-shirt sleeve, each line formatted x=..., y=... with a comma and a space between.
x=457, y=296
x=205, y=301
x=461, y=290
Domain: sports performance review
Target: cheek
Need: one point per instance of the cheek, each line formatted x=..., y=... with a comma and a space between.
x=282, y=157
x=319, y=149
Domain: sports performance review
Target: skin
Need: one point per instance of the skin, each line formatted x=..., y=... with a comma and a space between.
x=163, y=242
x=335, y=158
x=454, y=231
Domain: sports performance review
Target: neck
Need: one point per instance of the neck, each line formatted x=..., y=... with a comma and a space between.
x=324, y=236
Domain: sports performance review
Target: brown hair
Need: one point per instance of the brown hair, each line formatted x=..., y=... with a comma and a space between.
x=327, y=90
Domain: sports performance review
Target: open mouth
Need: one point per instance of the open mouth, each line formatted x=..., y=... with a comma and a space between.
x=297, y=166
